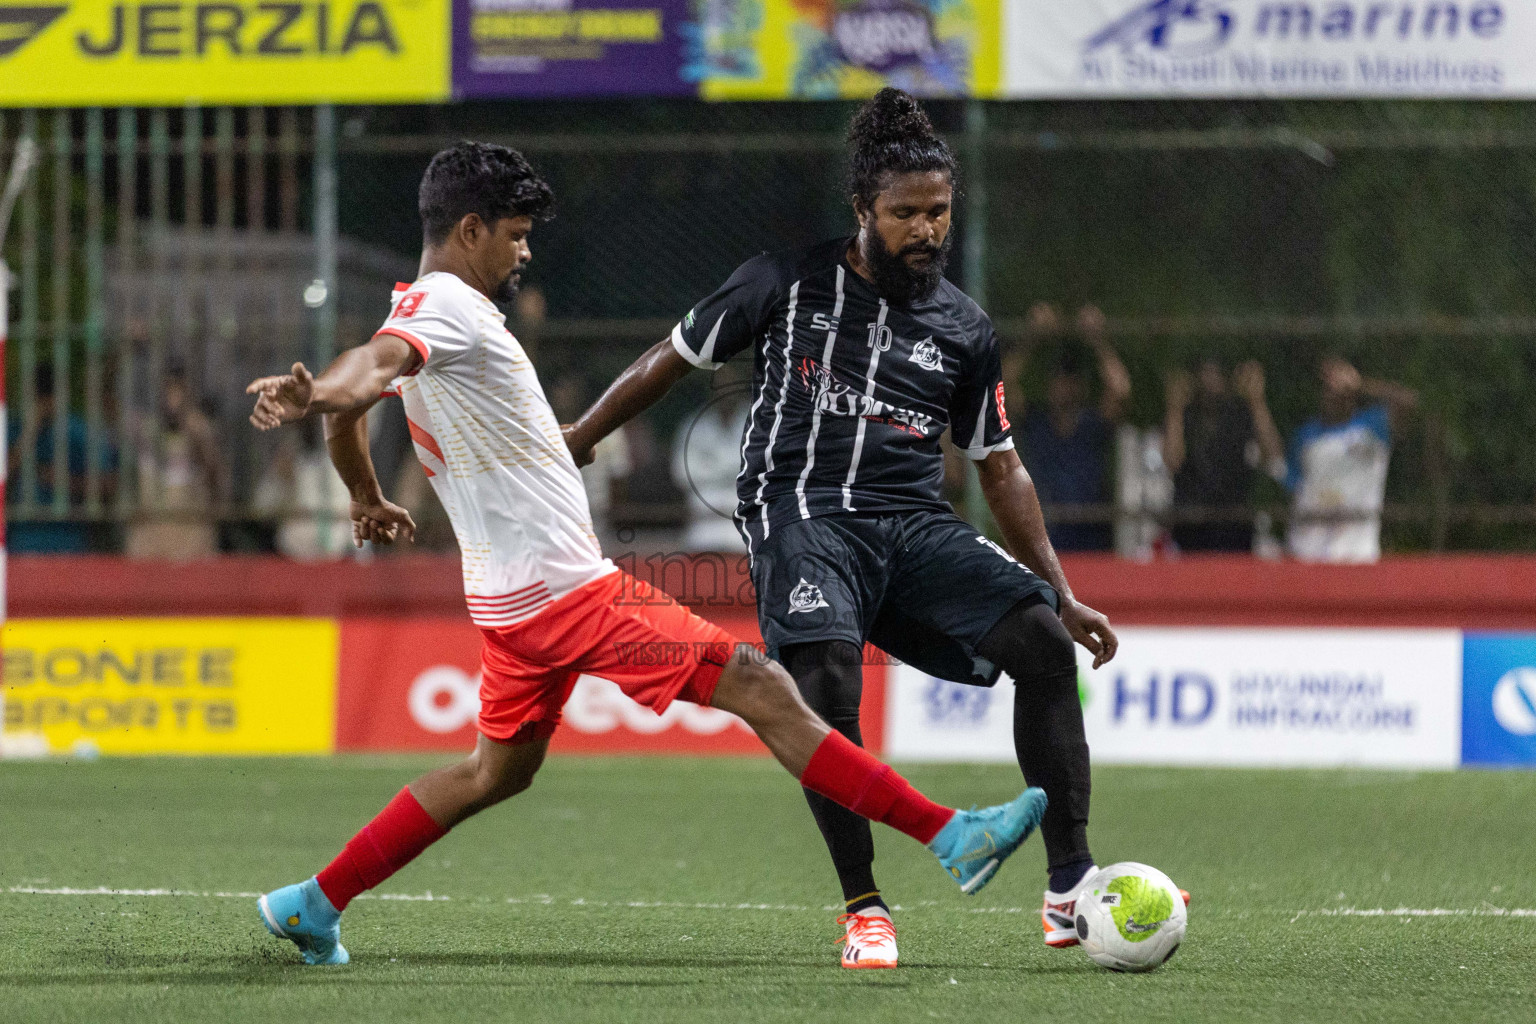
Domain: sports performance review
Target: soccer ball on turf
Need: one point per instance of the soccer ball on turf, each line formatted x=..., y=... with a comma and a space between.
x=1130, y=917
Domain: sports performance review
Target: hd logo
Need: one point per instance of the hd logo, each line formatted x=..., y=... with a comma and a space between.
x=98, y=52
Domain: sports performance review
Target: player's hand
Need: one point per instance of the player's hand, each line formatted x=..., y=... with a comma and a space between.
x=583, y=456
x=380, y=521
x=282, y=399
x=1091, y=629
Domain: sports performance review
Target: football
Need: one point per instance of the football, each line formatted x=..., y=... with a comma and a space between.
x=1131, y=917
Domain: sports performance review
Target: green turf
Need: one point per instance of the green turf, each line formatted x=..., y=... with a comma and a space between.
x=1261, y=851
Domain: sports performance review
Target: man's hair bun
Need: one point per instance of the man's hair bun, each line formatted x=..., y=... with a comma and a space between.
x=892, y=135
x=892, y=116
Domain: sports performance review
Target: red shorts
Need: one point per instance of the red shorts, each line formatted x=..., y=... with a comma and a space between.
x=615, y=627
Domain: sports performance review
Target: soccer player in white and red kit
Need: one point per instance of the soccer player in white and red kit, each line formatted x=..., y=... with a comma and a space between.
x=549, y=605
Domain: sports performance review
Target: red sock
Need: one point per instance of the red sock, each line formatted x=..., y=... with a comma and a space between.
x=853, y=777
x=385, y=845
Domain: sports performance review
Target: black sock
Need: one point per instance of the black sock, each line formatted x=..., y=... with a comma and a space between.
x=1033, y=647
x=1063, y=878
x=830, y=676
x=864, y=902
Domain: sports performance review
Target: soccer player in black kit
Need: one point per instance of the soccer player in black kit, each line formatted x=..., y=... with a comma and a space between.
x=863, y=355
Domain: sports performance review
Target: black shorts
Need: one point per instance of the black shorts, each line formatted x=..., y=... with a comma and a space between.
x=923, y=586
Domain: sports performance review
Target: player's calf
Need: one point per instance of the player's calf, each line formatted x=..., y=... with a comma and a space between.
x=970, y=845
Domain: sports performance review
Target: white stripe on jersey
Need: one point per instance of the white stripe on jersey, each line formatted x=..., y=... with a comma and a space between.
x=869, y=392
x=826, y=367
x=778, y=407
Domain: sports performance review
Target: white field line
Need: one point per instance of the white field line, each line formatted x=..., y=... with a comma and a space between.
x=1407, y=912
x=544, y=900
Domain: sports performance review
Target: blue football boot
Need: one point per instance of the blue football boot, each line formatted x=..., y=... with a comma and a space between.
x=303, y=914
x=975, y=843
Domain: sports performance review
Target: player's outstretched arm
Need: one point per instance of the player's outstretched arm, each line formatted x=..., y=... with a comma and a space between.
x=374, y=518
x=636, y=390
x=1010, y=494
x=355, y=379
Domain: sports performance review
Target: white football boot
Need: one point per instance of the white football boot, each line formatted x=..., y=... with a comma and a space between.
x=871, y=939
x=1059, y=915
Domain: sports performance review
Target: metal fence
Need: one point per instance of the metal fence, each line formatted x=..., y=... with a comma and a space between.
x=193, y=249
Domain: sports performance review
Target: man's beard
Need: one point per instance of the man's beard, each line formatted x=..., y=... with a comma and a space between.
x=897, y=281
x=508, y=289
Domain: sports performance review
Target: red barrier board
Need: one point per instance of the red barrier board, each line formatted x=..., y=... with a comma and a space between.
x=413, y=684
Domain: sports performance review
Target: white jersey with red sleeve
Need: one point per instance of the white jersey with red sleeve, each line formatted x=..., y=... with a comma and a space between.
x=493, y=450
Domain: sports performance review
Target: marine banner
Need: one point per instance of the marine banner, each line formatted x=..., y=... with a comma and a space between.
x=98, y=52
x=839, y=49
x=1268, y=48
x=173, y=686
x=540, y=48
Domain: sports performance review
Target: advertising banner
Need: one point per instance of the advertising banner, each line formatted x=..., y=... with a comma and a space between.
x=1499, y=699
x=413, y=684
x=571, y=47
x=835, y=49
x=174, y=686
x=1259, y=48
x=97, y=52
x=1258, y=697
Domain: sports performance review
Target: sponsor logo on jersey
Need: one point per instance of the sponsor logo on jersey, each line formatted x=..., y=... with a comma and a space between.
x=926, y=354
x=1002, y=408
x=834, y=398
x=408, y=305
x=806, y=597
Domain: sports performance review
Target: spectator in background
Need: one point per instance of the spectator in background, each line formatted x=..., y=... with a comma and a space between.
x=1068, y=444
x=34, y=440
x=1215, y=438
x=303, y=490
x=1337, y=466
x=706, y=459
x=182, y=477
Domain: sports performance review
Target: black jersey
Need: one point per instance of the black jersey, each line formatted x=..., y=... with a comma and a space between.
x=850, y=393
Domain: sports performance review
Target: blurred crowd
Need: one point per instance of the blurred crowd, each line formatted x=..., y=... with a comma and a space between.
x=1201, y=480
x=1194, y=482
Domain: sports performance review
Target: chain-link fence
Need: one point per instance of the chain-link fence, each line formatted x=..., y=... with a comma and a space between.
x=164, y=257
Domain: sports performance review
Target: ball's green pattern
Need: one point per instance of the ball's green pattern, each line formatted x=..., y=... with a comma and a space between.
x=1144, y=907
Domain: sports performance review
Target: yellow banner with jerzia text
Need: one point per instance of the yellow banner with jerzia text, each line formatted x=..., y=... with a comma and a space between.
x=174, y=686
x=101, y=53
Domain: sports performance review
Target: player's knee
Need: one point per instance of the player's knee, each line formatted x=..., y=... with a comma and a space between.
x=1031, y=644
x=830, y=676
x=765, y=692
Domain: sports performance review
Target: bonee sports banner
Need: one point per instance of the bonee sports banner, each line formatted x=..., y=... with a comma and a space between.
x=173, y=686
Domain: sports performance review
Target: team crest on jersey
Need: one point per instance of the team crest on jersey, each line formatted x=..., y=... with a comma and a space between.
x=926, y=354
x=806, y=597
x=408, y=306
